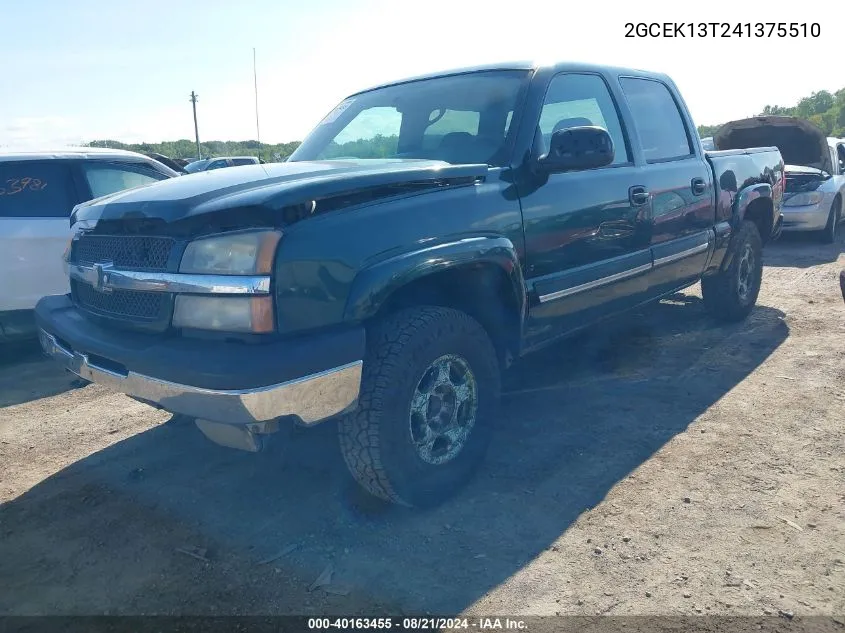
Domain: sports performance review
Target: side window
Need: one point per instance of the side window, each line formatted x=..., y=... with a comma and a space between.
x=373, y=133
x=445, y=122
x=36, y=189
x=243, y=161
x=840, y=151
x=575, y=100
x=658, y=120
x=105, y=179
x=216, y=164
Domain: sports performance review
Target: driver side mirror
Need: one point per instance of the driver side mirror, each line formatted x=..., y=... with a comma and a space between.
x=577, y=148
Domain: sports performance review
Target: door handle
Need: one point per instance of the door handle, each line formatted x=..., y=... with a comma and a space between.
x=638, y=196
x=698, y=186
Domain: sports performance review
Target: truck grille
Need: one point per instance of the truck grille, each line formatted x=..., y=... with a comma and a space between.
x=124, y=251
x=123, y=304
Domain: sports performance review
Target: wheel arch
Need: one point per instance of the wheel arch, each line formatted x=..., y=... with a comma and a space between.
x=756, y=203
x=481, y=276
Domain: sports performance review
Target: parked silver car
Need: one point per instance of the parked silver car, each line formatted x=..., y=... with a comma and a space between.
x=815, y=168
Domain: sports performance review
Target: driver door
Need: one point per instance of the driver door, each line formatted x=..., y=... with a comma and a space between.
x=586, y=232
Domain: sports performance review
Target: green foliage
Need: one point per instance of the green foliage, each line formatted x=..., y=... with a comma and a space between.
x=376, y=147
x=823, y=109
x=707, y=130
x=185, y=148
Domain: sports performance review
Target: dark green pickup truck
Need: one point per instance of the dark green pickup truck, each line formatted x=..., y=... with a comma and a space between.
x=424, y=235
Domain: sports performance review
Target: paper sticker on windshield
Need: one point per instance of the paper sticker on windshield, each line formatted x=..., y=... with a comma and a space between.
x=332, y=116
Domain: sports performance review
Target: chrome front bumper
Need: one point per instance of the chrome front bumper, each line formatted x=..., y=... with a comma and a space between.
x=310, y=399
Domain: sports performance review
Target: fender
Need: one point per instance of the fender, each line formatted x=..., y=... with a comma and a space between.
x=740, y=206
x=745, y=198
x=373, y=285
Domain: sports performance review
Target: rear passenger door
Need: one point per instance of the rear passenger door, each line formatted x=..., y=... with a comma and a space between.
x=678, y=183
x=36, y=198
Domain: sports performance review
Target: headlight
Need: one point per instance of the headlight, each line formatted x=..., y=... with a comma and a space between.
x=249, y=253
x=803, y=199
x=226, y=314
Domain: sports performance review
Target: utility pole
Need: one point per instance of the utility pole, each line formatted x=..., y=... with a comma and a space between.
x=196, y=129
x=255, y=77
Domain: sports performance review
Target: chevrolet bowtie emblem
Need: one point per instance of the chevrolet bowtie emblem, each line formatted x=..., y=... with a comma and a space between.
x=102, y=271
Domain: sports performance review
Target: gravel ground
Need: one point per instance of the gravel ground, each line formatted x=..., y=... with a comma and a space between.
x=664, y=464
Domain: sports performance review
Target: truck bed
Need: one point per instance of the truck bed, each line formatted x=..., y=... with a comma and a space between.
x=738, y=169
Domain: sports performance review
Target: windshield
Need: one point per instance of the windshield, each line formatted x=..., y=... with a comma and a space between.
x=460, y=119
x=197, y=165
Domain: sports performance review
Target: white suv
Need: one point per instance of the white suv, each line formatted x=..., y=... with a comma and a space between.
x=38, y=190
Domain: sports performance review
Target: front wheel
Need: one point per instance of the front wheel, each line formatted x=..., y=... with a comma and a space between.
x=428, y=398
x=731, y=294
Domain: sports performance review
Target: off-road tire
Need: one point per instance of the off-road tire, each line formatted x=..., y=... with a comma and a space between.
x=828, y=234
x=721, y=292
x=376, y=440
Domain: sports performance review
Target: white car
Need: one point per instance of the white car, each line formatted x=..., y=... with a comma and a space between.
x=38, y=190
x=815, y=169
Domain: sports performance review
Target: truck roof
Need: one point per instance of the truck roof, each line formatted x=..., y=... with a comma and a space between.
x=525, y=65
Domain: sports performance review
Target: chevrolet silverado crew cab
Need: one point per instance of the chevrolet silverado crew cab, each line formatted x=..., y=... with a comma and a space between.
x=427, y=233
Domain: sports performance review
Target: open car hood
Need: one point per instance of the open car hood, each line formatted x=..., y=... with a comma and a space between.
x=799, y=141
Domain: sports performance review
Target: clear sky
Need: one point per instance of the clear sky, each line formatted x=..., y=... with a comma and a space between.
x=123, y=69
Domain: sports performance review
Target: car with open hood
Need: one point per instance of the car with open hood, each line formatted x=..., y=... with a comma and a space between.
x=815, y=168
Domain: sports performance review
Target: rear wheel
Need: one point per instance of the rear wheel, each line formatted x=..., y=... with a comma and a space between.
x=828, y=234
x=428, y=398
x=731, y=294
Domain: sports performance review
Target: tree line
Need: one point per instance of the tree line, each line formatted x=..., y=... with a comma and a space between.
x=826, y=110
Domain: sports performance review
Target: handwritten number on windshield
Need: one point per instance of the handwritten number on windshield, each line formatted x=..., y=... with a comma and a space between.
x=18, y=185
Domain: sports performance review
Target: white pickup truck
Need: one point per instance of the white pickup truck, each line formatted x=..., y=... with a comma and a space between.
x=38, y=190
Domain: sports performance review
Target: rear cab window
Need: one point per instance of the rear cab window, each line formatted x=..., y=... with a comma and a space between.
x=658, y=120
x=36, y=189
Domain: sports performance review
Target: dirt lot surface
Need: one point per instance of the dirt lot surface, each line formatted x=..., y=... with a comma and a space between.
x=664, y=464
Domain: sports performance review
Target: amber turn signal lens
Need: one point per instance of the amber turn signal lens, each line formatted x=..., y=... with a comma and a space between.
x=266, y=252
x=261, y=309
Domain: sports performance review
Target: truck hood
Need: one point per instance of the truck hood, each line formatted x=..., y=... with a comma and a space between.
x=800, y=142
x=275, y=193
